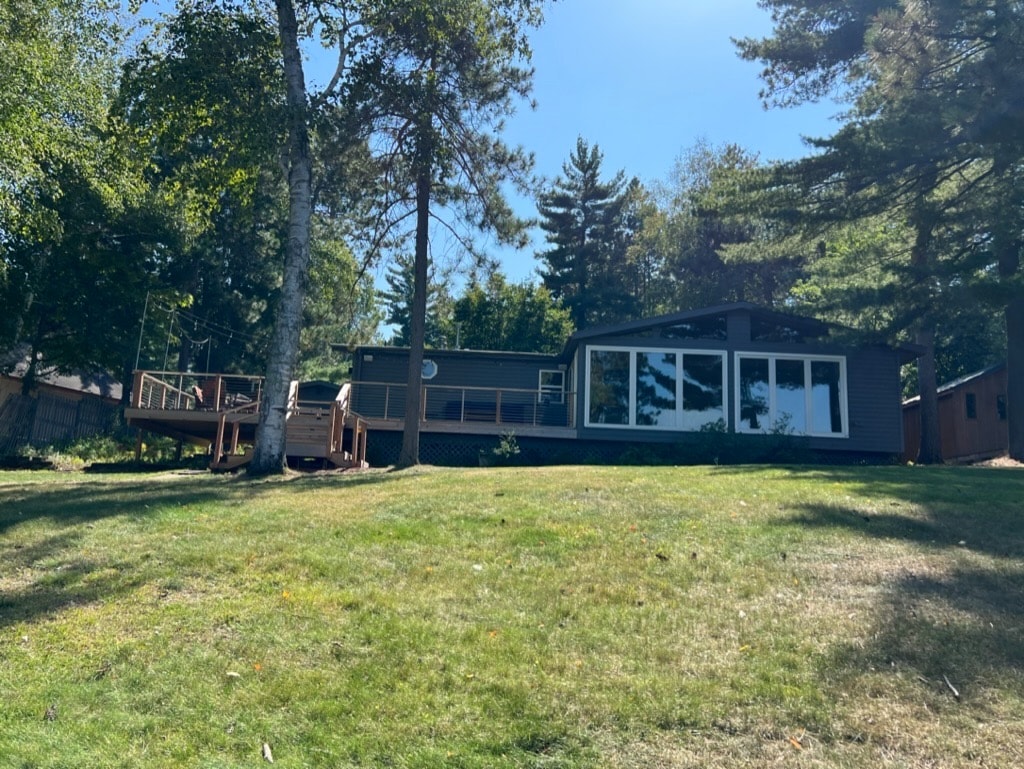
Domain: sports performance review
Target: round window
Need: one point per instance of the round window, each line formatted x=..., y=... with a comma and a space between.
x=429, y=370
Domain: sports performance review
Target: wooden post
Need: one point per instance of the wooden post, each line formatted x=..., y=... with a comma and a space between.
x=137, y=390
x=218, y=447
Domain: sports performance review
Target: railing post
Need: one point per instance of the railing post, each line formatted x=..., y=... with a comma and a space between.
x=137, y=390
x=497, y=407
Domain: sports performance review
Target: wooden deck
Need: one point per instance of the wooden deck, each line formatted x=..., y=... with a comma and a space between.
x=220, y=412
x=468, y=410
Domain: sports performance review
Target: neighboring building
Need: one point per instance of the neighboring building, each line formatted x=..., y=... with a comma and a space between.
x=972, y=417
x=675, y=380
x=61, y=407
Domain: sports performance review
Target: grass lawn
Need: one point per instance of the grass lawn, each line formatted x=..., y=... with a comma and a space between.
x=548, y=617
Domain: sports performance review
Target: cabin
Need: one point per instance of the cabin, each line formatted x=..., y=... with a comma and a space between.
x=61, y=407
x=972, y=418
x=735, y=382
x=678, y=384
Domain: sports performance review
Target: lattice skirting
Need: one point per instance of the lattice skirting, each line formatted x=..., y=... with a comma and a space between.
x=464, y=450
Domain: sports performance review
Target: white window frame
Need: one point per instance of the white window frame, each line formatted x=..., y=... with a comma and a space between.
x=772, y=417
x=548, y=393
x=680, y=354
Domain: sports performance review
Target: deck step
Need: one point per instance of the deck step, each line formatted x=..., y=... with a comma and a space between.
x=344, y=460
x=232, y=462
x=308, y=437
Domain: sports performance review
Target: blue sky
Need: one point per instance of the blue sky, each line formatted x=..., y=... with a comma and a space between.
x=645, y=80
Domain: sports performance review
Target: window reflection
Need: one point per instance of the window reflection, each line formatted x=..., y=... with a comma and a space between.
x=656, y=389
x=790, y=396
x=703, y=401
x=826, y=407
x=753, y=393
x=609, y=387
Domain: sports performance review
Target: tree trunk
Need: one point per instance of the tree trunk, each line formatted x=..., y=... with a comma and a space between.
x=930, y=451
x=923, y=262
x=1008, y=251
x=269, y=456
x=1015, y=377
x=410, y=454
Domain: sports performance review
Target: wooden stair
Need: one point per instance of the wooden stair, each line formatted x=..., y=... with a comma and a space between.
x=230, y=462
x=308, y=436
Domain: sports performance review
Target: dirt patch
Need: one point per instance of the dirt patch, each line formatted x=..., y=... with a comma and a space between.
x=1003, y=461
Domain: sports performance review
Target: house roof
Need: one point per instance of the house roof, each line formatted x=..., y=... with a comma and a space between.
x=428, y=353
x=949, y=387
x=100, y=383
x=810, y=326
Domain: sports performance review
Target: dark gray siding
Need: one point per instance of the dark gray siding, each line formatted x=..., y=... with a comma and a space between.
x=873, y=391
x=465, y=381
x=876, y=425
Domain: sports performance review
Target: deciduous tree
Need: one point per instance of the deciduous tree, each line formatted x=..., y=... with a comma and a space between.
x=521, y=317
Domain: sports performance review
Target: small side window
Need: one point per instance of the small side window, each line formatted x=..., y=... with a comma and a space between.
x=971, y=404
x=551, y=386
x=1001, y=407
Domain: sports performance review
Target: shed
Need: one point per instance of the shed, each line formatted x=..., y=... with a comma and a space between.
x=972, y=417
x=60, y=408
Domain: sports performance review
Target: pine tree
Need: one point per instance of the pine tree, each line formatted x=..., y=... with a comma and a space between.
x=933, y=136
x=584, y=218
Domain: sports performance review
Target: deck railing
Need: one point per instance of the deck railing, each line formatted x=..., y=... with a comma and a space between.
x=478, y=405
x=179, y=391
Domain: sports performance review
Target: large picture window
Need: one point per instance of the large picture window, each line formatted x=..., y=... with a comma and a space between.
x=801, y=395
x=655, y=389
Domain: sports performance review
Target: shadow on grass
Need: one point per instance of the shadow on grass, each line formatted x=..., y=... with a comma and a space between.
x=44, y=575
x=959, y=613
x=70, y=504
x=76, y=583
x=73, y=504
x=44, y=571
x=965, y=627
x=934, y=506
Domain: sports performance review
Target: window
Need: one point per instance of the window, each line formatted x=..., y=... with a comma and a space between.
x=608, y=391
x=551, y=386
x=656, y=404
x=793, y=394
x=710, y=327
x=1001, y=407
x=971, y=405
x=655, y=389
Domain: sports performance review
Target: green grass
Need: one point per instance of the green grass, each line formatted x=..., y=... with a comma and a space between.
x=549, y=617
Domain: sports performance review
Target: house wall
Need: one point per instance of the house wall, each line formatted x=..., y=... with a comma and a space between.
x=457, y=370
x=963, y=438
x=872, y=378
x=872, y=421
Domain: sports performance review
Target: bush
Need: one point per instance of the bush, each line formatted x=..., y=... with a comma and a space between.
x=506, y=453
